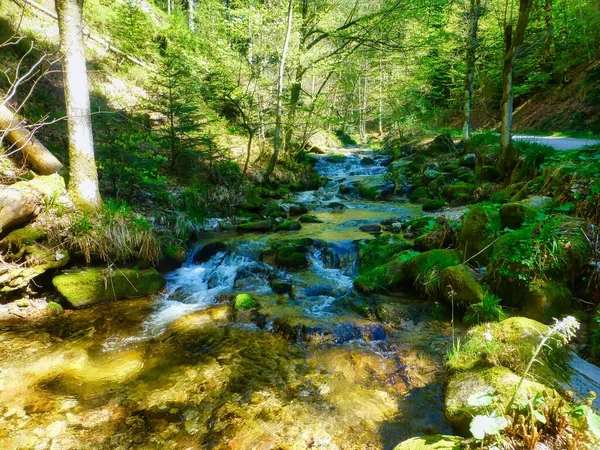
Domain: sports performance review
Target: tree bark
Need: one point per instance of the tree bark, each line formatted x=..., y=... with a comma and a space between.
x=191, y=11
x=34, y=152
x=279, y=111
x=24, y=200
x=83, y=176
x=512, y=42
x=471, y=58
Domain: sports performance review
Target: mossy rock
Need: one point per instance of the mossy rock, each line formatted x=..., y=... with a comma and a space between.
x=478, y=231
x=419, y=226
x=433, y=205
x=296, y=209
x=375, y=188
x=499, y=381
x=442, y=144
x=466, y=289
x=307, y=218
x=468, y=160
x=488, y=173
x=547, y=300
x=288, y=225
x=16, y=239
x=273, y=211
x=432, y=442
x=434, y=240
x=289, y=254
x=419, y=195
x=91, y=286
x=381, y=250
x=510, y=343
x=512, y=215
x=245, y=301
x=252, y=201
x=458, y=193
x=54, y=309
x=386, y=277
x=255, y=226
x=431, y=260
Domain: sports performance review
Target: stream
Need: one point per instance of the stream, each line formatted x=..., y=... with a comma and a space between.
x=182, y=370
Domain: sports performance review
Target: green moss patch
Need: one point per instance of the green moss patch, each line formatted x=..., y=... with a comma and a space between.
x=245, y=301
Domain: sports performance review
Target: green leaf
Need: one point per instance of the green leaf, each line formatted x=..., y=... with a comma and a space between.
x=593, y=421
x=539, y=417
x=481, y=399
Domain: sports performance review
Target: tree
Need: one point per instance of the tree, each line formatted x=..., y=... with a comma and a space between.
x=512, y=43
x=279, y=101
x=471, y=58
x=83, y=176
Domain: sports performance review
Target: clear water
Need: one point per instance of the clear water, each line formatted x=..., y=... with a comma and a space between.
x=182, y=370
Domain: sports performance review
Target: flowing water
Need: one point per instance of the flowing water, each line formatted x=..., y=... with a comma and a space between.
x=183, y=370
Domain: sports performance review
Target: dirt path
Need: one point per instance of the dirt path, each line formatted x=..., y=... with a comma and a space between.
x=558, y=143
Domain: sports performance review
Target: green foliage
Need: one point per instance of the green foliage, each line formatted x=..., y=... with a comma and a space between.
x=245, y=301
x=488, y=310
x=130, y=29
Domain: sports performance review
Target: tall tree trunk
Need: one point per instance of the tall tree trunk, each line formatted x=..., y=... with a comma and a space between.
x=512, y=42
x=549, y=44
x=471, y=58
x=83, y=176
x=191, y=7
x=380, y=97
x=295, y=93
x=279, y=111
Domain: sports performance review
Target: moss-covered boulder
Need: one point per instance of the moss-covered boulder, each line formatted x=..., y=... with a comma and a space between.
x=546, y=300
x=437, y=239
x=88, y=287
x=289, y=254
x=436, y=260
x=386, y=277
x=420, y=225
x=498, y=381
x=433, y=205
x=457, y=283
x=245, y=301
x=509, y=344
x=252, y=201
x=307, y=218
x=17, y=239
x=512, y=215
x=458, y=193
x=479, y=229
x=381, y=250
x=419, y=195
x=488, y=173
x=432, y=442
x=288, y=225
x=375, y=188
x=256, y=226
x=442, y=144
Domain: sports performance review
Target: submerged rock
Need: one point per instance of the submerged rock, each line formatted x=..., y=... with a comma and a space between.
x=433, y=442
x=88, y=287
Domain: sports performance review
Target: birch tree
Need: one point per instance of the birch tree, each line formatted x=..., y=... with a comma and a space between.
x=83, y=176
x=471, y=58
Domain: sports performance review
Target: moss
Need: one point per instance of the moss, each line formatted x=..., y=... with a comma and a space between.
x=375, y=252
x=273, y=211
x=245, y=301
x=437, y=260
x=23, y=236
x=288, y=225
x=512, y=215
x=54, y=309
x=91, y=286
x=175, y=252
x=419, y=194
x=458, y=193
x=290, y=254
x=499, y=198
x=433, y=205
x=419, y=226
x=431, y=442
x=547, y=300
x=499, y=381
x=255, y=226
x=252, y=201
x=437, y=239
x=509, y=344
x=309, y=219
x=479, y=229
x=387, y=277
x=488, y=173
x=466, y=289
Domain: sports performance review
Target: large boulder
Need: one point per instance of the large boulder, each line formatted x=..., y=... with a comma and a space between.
x=425, y=262
x=375, y=188
x=288, y=254
x=88, y=287
x=458, y=284
x=477, y=233
x=255, y=226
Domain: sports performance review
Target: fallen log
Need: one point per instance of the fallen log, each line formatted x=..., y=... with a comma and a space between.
x=34, y=152
x=24, y=200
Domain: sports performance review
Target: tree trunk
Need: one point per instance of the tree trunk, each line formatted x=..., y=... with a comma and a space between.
x=295, y=93
x=34, y=152
x=22, y=201
x=279, y=111
x=508, y=155
x=191, y=7
x=83, y=176
x=380, y=97
x=549, y=44
x=471, y=58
